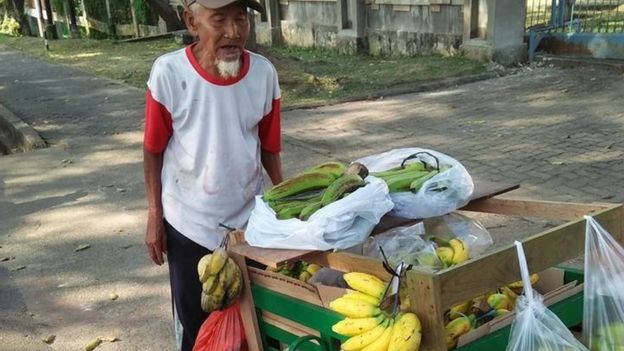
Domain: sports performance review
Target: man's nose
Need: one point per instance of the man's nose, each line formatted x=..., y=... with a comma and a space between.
x=232, y=31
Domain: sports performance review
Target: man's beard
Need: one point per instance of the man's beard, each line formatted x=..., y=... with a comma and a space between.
x=228, y=69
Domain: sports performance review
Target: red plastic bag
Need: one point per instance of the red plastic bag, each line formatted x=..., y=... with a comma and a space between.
x=222, y=331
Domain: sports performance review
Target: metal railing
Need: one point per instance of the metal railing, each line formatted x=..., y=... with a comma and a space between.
x=589, y=16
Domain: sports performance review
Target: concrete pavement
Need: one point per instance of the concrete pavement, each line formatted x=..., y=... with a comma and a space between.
x=557, y=132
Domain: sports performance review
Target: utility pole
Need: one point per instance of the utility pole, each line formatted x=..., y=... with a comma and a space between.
x=42, y=32
x=50, y=28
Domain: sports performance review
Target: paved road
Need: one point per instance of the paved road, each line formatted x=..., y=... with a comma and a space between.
x=558, y=132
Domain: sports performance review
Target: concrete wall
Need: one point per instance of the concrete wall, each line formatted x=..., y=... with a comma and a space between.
x=377, y=26
x=414, y=29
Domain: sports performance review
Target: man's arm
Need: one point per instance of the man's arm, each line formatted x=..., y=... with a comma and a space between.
x=155, y=235
x=273, y=165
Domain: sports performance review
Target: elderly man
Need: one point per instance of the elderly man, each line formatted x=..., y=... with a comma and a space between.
x=212, y=121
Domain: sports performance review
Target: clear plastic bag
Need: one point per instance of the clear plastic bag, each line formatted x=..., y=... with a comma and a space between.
x=536, y=328
x=339, y=225
x=445, y=192
x=404, y=244
x=413, y=244
x=456, y=225
x=603, y=309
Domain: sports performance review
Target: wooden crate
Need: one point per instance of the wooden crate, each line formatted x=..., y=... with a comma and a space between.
x=431, y=294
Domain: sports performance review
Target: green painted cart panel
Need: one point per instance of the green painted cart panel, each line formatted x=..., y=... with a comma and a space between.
x=570, y=311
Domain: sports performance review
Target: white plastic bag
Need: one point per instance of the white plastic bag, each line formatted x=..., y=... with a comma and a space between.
x=603, y=308
x=339, y=225
x=443, y=193
x=536, y=328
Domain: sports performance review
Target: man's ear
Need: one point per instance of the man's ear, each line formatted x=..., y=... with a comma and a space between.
x=189, y=20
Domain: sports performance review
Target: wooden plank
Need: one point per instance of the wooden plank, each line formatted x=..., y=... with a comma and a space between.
x=542, y=250
x=347, y=262
x=485, y=189
x=533, y=208
x=270, y=257
x=248, y=309
x=288, y=325
x=423, y=291
x=285, y=285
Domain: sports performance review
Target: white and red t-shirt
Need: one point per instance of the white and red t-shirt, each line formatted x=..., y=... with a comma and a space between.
x=211, y=131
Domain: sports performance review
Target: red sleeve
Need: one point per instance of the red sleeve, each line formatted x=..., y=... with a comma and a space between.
x=158, y=125
x=269, y=130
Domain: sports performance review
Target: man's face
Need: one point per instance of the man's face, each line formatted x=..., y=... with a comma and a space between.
x=222, y=32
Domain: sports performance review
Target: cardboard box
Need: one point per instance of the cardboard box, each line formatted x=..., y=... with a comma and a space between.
x=316, y=294
x=550, y=285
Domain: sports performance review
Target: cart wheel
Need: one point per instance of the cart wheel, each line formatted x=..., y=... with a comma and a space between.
x=307, y=338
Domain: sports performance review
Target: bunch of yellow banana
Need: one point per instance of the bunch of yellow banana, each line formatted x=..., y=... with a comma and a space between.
x=458, y=327
x=221, y=280
x=519, y=285
x=300, y=270
x=304, y=194
x=367, y=326
x=455, y=252
x=483, y=308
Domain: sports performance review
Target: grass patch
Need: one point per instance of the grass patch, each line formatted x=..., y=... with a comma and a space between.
x=307, y=76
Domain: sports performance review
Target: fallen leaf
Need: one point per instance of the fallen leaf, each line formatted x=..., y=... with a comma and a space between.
x=557, y=163
x=93, y=344
x=82, y=247
x=49, y=339
x=609, y=147
x=126, y=246
x=18, y=268
x=3, y=259
x=607, y=197
x=479, y=121
x=113, y=296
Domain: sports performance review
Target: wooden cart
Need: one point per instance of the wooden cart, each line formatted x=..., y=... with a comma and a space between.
x=282, y=317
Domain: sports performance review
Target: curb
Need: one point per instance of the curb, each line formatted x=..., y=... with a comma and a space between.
x=576, y=61
x=17, y=133
x=408, y=89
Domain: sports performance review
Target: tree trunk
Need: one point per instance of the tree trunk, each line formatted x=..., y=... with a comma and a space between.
x=167, y=13
x=73, y=26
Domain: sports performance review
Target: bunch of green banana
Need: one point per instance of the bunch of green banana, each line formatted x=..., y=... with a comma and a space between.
x=221, y=280
x=367, y=326
x=303, y=195
x=411, y=177
x=455, y=252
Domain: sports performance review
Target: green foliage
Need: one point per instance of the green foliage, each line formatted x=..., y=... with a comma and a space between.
x=144, y=13
x=9, y=26
x=58, y=7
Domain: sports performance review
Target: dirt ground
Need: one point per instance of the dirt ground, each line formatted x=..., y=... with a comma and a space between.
x=556, y=132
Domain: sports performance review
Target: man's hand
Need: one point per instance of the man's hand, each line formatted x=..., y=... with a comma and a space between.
x=156, y=238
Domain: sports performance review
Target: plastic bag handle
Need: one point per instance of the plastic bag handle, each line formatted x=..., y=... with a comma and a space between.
x=524, y=272
x=413, y=156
